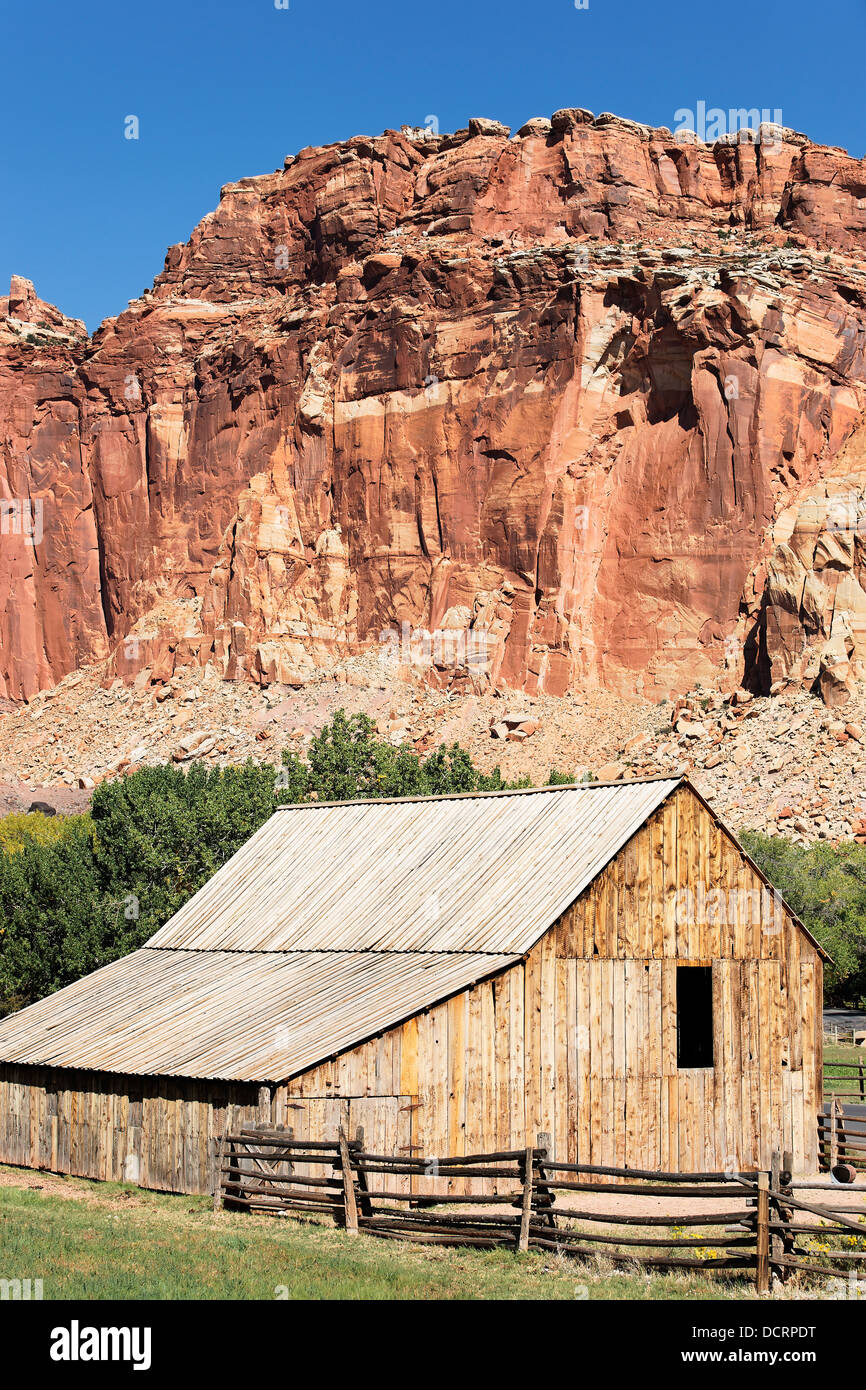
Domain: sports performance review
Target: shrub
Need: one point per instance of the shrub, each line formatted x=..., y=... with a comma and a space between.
x=29, y=827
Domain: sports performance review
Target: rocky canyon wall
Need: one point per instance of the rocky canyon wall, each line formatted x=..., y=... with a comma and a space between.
x=581, y=397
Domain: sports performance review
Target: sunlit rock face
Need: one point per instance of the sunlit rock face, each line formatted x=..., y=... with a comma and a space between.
x=813, y=619
x=576, y=395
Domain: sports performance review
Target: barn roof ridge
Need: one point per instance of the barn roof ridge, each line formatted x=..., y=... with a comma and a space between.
x=621, y=782
x=317, y=950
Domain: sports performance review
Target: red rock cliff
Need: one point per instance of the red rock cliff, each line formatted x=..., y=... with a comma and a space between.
x=555, y=391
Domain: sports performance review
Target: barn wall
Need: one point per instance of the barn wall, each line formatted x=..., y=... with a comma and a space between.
x=579, y=1042
x=159, y=1132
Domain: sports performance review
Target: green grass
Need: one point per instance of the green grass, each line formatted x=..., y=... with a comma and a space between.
x=108, y=1241
x=836, y=1081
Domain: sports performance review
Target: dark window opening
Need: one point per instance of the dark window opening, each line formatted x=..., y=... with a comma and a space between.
x=694, y=1016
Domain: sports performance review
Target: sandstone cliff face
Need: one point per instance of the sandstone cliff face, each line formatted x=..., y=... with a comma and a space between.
x=813, y=619
x=51, y=615
x=560, y=394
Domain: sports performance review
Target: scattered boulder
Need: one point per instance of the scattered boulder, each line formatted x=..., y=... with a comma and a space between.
x=691, y=728
x=636, y=744
x=196, y=745
x=536, y=125
x=522, y=725
x=611, y=772
x=833, y=678
x=484, y=125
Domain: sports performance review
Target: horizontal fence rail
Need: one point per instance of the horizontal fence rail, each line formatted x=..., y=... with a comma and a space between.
x=759, y=1223
x=266, y=1172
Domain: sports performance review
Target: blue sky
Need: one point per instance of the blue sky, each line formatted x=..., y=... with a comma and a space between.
x=226, y=89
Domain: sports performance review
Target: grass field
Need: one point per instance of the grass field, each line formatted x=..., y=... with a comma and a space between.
x=835, y=1081
x=103, y=1240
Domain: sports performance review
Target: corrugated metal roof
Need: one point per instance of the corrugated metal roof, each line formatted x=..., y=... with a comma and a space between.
x=245, y=1016
x=461, y=873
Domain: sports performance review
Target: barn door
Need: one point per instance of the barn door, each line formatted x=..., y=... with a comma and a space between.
x=385, y=1120
x=384, y=1123
x=318, y=1118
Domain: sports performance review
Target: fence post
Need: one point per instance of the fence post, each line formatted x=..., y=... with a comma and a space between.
x=843, y=1136
x=762, y=1248
x=775, y=1209
x=350, y=1206
x=835, y=1113
x=357, y=1148
x=545, y=1198
x=786, y=1214
x=218, y=1177
x=526, y=1211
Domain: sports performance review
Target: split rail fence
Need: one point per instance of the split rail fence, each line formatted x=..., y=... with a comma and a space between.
x=752, y=1223
x=845, y=1081
x=841, y=1136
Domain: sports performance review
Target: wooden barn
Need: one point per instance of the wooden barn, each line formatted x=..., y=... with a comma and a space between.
x=602, y=964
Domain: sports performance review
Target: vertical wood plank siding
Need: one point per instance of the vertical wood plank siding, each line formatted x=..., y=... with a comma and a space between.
x=159, y=1132
x=577, y=1041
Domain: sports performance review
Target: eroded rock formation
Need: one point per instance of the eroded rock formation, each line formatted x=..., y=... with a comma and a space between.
x=813, y=619
x=566, y=394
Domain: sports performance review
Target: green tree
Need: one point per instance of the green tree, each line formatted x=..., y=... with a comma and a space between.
x=55, y=921
x=109, y=880
x=161, y=833
x=347, y=762
x=826, y=886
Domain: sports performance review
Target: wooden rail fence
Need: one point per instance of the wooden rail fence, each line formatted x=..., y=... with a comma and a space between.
x=845, y=1081
x=841, y=1137
x=798, y=1244
x=755, y=1223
